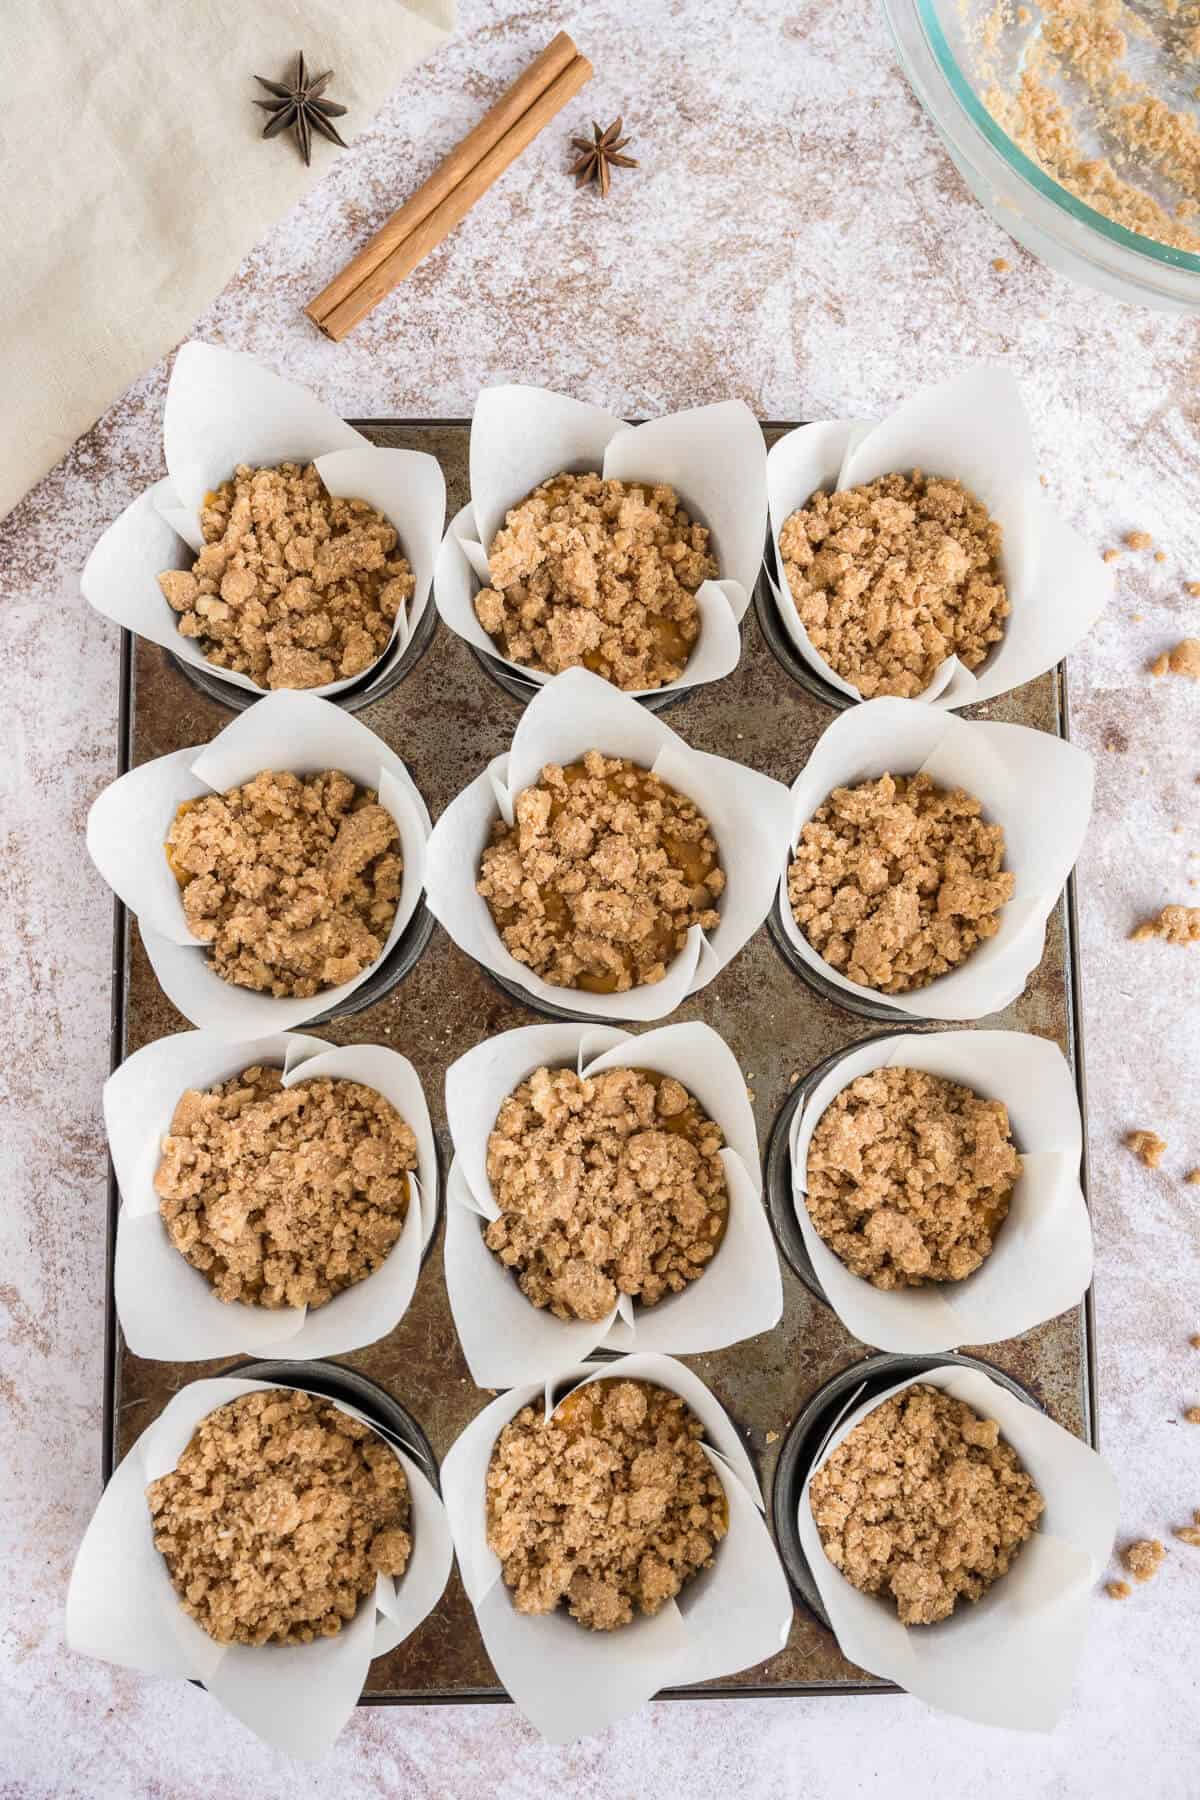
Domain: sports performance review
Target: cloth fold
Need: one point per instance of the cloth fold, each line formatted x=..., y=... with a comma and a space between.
x=135, y=179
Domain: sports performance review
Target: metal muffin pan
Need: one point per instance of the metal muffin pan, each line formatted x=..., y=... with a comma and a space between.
x=817, y=1422
x=447, y=720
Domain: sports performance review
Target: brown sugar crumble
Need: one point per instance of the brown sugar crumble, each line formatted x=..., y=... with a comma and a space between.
x=278, y=1518
x=607, y=1184
x=1189, y=1534
x=1184, y=659
x=609, y=1507
x=1118, y=1590
x=1073, y=105
x=1193, y=588
x=601, y=876
x=1174, y=925
x=1147, y=1146
x=1143, y=1558
x=285, y=1196
x=600, y=575
x=295, y=587
x=896, y=881
x=1000, y=264
x=292, y=881
x=910, y=1177
x=924, y=1501
x=1193, y=1180
x=891, y=578
x=1192, y=1415
x=1138, y=540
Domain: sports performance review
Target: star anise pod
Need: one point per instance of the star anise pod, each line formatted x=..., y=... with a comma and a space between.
x=599, y=153
x=299, y=104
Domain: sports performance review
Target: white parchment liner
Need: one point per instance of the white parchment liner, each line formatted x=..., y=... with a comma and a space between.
x=975, y=428
x=1037, y=787
x=122, y=1608
x=128, y=825
x=1042, y=1262
x=168, y=1309
x=713, y=456
x=223, y=409
x=506, y=1340
x=569, y=1681
x=1009, y=1658
x=577, y=712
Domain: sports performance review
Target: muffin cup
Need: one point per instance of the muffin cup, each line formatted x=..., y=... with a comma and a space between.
x=224, y=409
x=713, y=456
x=570, y=1681
x=974, y=428
x=1037, y=787
x=507, y=1340
x=575, y=713
x=166, y=1308
x=1009, y=1658
x=122, y=1608
x=1042, y=1262
x=128, y=825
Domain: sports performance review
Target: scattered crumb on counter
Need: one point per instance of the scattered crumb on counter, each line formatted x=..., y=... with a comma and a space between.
x=1112, y=556
x=1193, y=588
x=772, y=1437
x=1193, y=1180
x=1160, y=556
x=1143, y=1558
x=1118, y=1590
x=1174, y=925
x=1192, y=1415
x=1138, y=540
x=1000, y=264
x=1184, y=659
x=1147, y=1146
x=1189, y=1534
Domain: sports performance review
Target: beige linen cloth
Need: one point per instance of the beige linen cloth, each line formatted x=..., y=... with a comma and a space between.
x=133, y=179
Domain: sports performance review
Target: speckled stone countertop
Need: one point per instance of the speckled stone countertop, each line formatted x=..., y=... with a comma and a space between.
x=796, y=237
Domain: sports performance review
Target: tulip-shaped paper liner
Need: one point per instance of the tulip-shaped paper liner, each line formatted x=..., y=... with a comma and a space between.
x=224, y=409
x=974, y=428
x=713, y=456
x=577, y=712
x=122, y=1608
x=128, y=825
x=1042, y=1260
x=168, y=1309
x=570, y=1681
x=1037, y=787
x=505, y=1338
x=1009, y=1658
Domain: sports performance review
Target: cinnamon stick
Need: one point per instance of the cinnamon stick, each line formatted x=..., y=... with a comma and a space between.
x=456, y=184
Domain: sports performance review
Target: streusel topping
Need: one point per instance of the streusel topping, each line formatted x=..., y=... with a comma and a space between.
x=610, y=1184
x=896, y=881
x=278, y=1518
x=292, y=881
x=601, y=876
x=924, y=1501
x=295, y=587
x=891, y=578
x=285, y=1196
x=910, y=1177
x=600, y=575
x=609, y=1507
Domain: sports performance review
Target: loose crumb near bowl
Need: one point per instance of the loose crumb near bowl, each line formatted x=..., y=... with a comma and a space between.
x=293, y=882
x=891, y=578
x=295, y=587
x=1184, y=659
x=285, y=1196
x=909, y=1177
x=598, y=574
x=895, y=882
x=607, y=1184
x=608, y=1508
x=601, y=876
x=278, y=1517
x=924, y=1502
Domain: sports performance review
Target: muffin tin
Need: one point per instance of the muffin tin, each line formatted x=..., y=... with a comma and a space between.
x=446, y=717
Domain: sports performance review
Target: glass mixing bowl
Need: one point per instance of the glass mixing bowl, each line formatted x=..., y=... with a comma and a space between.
x=936, y=40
